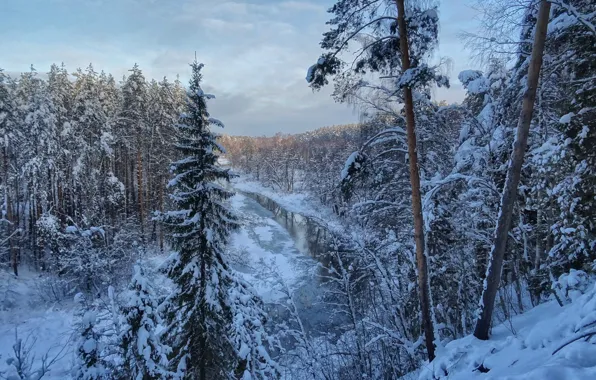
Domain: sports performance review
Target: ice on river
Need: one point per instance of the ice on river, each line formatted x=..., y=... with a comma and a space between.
x=265, y=253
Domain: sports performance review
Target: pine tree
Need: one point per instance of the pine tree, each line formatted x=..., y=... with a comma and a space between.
x=38, y=123
x=508, y=198
x=161, y=117
x=145, y=358
x=211, y=314
x=395, y=41
x=134, y=128
x=9, y=135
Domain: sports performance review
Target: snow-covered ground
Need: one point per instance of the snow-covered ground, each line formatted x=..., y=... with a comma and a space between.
x=262, y=250
x=265, y=253
x=525, y=348
x=44, y=328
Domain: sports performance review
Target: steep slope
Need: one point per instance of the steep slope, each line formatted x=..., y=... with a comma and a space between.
x=547, y=342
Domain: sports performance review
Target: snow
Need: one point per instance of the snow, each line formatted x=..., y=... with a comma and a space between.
x=349, y=163
x=467, y=76
x=584, y=132
x=478, y=86
x=262, y=246
x=264, y=233
x=310, y=73
x=474, y=81
x=529, y=347
x=46, y=328
x=300, y=203
x=566, y=119
x=408, y=78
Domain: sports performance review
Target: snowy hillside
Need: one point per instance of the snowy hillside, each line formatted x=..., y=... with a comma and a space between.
x=548, y=342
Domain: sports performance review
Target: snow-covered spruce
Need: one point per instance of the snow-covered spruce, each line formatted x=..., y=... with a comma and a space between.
x=145, y=357
x=89, y=364
x=214, y=321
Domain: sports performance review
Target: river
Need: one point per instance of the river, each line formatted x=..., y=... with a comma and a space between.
x=275, y=244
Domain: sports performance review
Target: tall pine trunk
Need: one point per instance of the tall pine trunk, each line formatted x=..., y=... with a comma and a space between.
x=140, y=195
x=423, y=283
x=495, y=262
x=162, y=185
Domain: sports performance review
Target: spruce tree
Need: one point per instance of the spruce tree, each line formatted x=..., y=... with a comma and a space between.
x=215, y=322
x=144, y=355
x=89, y=364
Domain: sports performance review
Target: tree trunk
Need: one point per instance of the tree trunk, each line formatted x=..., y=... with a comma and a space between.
x=162, y=185
x=19, y=220
x=423, y=283
x=127, y=188
x=539, y=237
x=11, y=228
x=495, y=261
x=140, y=195
x=10, y=219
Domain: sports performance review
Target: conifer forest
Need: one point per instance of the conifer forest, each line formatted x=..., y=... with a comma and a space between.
x=429, y=238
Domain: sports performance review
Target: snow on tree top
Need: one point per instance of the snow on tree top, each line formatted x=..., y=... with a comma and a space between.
x=566, y=119
x=467, y=76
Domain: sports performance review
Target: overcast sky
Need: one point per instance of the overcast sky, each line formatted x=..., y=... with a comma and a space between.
x=256, y=52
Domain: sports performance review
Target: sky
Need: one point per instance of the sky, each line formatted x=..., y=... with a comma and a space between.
x=256, y=52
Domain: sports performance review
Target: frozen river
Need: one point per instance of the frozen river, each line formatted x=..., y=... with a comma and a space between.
x=275, y=251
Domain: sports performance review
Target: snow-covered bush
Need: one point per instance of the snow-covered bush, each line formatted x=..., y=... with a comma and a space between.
x=93, y=263
x=22, y=361
x=97, y=334
x=88, y=363
x=569, y=286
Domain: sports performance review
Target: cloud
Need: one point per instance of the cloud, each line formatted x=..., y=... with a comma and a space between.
x=259, y=119
x=256, y=52
x=302, y=6
x=226, y=26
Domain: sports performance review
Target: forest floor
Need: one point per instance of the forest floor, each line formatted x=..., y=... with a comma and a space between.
x=44, y=327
